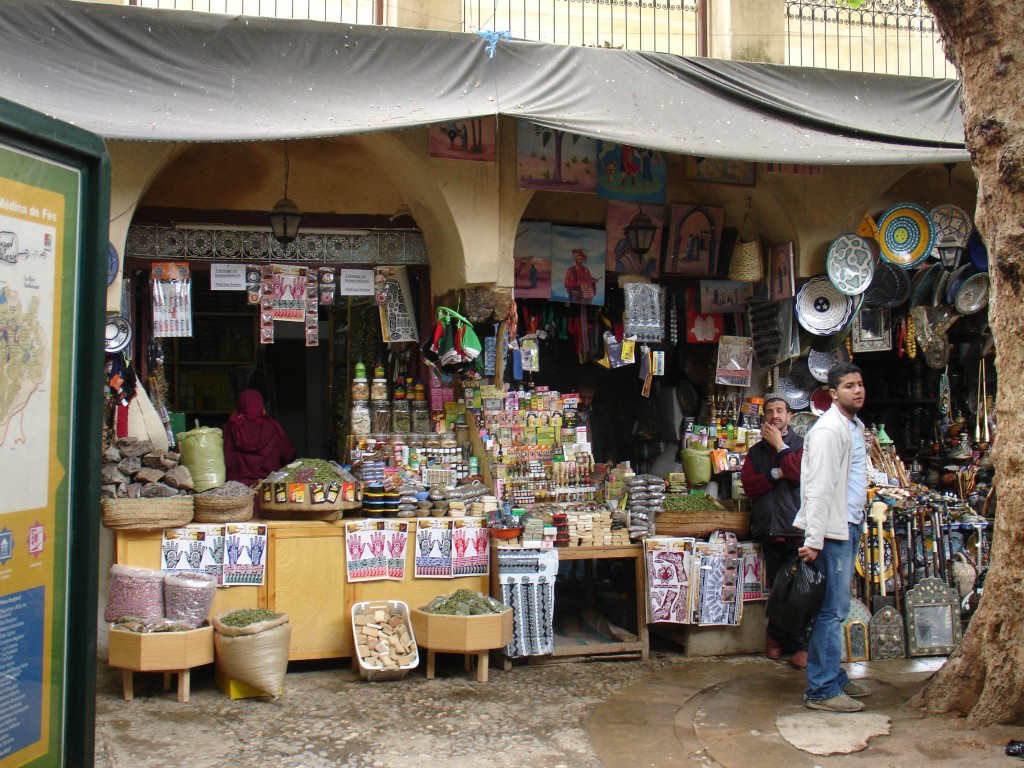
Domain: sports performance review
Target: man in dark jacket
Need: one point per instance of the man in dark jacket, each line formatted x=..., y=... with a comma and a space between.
x=771, y=478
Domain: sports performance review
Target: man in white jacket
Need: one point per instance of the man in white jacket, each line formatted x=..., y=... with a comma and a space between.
x=833, y=493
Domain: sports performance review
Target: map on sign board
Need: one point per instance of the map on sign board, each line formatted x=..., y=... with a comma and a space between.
x=27, y=293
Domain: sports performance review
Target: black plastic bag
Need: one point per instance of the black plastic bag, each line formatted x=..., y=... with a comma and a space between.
x=796, y=596
x=1015, y=749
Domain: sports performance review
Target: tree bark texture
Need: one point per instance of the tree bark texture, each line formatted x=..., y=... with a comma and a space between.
x=984, y=678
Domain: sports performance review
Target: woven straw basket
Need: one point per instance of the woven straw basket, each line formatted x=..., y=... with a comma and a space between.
x=147, y=514
x=221, y=509
x=747, y=263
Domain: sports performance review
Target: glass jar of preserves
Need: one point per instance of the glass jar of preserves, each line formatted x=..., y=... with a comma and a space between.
x=360, y=389
x=400, y=416
x=420, y=417
x=379, y=389
x=360, y=424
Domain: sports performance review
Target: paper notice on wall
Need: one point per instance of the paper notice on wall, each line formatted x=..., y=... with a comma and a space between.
x=433, y=548
x=471, y=542
x=365, y=548
x=356, y=282
x=397, y=543
x=194, y=549
x=227, y=277
x=397, y=315
x=288, y=289
x=245, y=554
x=669, y=563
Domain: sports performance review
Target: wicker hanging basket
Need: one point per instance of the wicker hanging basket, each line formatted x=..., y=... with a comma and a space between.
x=147, y=514
x=747, y=263
x=223, y=509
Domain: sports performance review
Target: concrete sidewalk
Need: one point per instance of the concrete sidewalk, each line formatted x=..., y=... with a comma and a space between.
x=734, y=712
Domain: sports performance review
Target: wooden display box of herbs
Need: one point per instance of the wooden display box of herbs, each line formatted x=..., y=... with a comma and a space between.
x=160, y=651
x=312, y=489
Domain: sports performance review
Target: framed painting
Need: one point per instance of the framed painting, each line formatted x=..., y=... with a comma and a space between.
x=695, y=235
x=469, y=139
x=555, y=160
x=872, y=330
x=781, y=275
x=719, y=296
x=713, y=170
x=532, y=260
x=619, y=257
x=574, y=251
x=625, y=172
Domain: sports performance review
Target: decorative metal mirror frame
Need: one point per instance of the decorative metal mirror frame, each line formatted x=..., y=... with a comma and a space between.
x=888, y=638
x=852, y=629
x=862, y=343
x=932, y=593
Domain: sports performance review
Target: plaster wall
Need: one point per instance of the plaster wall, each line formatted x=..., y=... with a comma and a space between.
x=747, y=30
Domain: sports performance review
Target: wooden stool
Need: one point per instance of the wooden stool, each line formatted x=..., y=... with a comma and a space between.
x=167, y=652
x=482, y=663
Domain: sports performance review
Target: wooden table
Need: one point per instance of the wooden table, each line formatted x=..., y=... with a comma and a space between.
x=637, y=648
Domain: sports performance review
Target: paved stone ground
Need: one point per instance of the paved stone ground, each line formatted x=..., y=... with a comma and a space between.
x=668, y=711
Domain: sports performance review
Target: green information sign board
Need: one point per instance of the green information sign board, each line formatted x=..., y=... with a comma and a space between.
x=54, y=211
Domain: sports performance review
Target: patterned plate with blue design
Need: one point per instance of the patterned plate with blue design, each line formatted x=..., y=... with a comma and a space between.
x=820, y=308
x=906, y=235
x=952, y=222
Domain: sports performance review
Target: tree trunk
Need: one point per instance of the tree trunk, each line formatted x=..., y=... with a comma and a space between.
x=984, y=678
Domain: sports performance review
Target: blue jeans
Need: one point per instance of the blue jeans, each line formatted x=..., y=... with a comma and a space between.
x=825, y=677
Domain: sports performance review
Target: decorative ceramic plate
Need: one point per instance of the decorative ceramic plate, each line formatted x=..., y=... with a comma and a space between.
x=953, y=223
x=796, y=398
x=821, y=400
x=956, y=280
x=889, y=287
x=802, y=422
x=850, y=263
x=820, y=308
x=936, y=356
x=939, y=288
x=978, y=251
x=117, y=334
x=906, y=235
x=819, y=363
x=924, y=285
x=113, y=263
x=973, y=294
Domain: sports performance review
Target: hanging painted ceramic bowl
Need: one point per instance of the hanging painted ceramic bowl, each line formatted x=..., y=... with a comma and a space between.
x=796, y=398
x=889, y=287
x=820, y=362
x=973, y=294
x=802, y=422
x=850, y=263
x=906, y=235
x=939, y=288
x=951, y=223
x=936, y=355
x=956, y=280
x=924, y=285
x=117, y=334
x=820, y=308
x=821, y=400
x=978, y=251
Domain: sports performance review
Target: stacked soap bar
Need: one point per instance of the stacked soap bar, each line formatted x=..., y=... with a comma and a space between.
x=383, y=640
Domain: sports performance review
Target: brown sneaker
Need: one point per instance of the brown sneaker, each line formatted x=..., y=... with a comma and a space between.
x=798, y=660
x=772, y=649
x=856, y=690
x=838, y=703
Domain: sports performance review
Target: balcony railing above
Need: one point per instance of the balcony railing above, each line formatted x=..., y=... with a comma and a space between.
x=886, y=36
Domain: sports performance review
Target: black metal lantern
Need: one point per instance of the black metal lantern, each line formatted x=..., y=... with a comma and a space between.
x=285, y=216
x=640, y=233
x=949, y=251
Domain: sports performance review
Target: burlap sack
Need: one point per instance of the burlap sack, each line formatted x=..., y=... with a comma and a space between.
x=256, y=655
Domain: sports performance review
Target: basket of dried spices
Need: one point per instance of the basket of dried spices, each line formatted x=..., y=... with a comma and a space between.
x=231, y=502
x=309, y=489
x=147, y=514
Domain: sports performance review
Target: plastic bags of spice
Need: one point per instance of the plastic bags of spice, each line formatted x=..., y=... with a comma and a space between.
x=134, y=592
x=202, y=451
x=188, y=597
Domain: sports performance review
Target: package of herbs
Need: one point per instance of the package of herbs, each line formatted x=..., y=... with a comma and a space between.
x=243, y=617
x=188, y=597
x=311, y=471
x=465, y=602
x=135, y=592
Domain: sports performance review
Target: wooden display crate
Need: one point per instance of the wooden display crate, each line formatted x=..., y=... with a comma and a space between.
x=462, y=634
x=167, y=652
